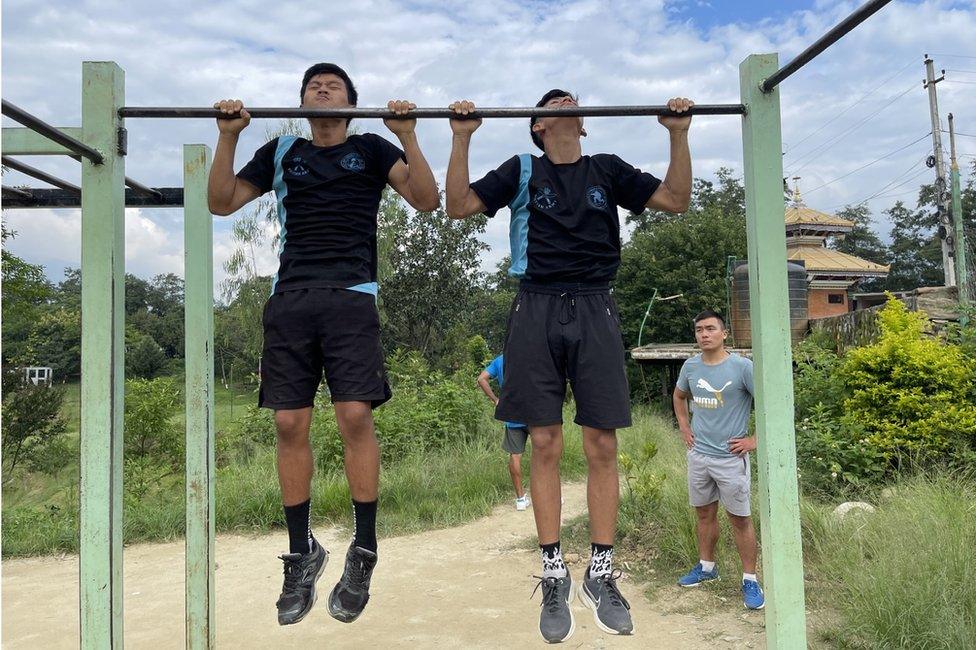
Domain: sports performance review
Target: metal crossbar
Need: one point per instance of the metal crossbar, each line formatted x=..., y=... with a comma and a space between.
x=864, y=12
x=575, y=111
x=51, y=132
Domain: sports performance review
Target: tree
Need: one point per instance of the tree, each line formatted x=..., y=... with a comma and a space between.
x=686, y=254
x=25, y=293
x=32, y=421
x=862, y=242
x=916, y=253
x=433, y=277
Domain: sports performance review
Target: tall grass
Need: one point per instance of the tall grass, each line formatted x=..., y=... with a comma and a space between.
x=441, y=488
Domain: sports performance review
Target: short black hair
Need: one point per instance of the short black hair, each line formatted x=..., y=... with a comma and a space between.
x=330, y=68
x=710, y=313
x=552, y=94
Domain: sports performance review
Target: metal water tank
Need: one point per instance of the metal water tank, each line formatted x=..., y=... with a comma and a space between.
x=799, y=312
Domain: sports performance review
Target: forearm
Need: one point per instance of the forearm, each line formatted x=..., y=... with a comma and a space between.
x=458, y=182
x=420, y=180
x=681, y=412
x=486, y=389
x=222, y=182
x=678, y=178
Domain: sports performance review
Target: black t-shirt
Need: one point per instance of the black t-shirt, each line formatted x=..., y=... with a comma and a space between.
x=566, y=229
x=328, y=198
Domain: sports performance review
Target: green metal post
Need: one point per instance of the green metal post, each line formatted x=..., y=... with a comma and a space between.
x=959, y=228
x=782, y=551
x=198, y=269
x=102, y=358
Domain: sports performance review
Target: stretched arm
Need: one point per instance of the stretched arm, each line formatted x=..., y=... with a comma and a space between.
x=225, y=192
x=674, y=193
x=412, y=180
x=680, y=402
x=461, y=199
x=486, y=387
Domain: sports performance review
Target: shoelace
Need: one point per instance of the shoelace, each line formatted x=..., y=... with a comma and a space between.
x=751, y=588
x=550, y=597
x=609, y=581
x=293, y=573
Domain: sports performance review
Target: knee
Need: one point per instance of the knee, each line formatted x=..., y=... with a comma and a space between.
x=601, y=448
x=355, y=420
x=706, y=515
x=292, y=427
x=740, y=524
x=547, y=445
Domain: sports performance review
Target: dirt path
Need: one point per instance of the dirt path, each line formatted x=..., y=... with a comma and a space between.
x=460, y=587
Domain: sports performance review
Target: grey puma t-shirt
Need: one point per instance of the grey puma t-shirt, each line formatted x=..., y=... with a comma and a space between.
x=721, y=401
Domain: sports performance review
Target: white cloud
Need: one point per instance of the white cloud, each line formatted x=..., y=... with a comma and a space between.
x=496, y=53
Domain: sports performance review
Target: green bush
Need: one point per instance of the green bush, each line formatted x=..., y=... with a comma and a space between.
x=33, y=429
x=913, y=394
x=835, y=456
x=152, y=429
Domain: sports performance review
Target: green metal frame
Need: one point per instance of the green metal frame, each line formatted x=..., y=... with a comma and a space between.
x=199, y=315
x=103, y=255
x=769, y=301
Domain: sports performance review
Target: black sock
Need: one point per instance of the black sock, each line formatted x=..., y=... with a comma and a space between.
x=298, y=518
x=364, y=514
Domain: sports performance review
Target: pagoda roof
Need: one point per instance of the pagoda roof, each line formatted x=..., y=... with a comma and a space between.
x=801, y=215
x=824, y=261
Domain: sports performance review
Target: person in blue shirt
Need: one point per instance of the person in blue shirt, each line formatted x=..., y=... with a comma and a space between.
x=516, y=434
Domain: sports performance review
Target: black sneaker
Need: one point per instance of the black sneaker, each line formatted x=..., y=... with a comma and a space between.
x=556, y=622
x=350, y=595
x=610, y=609
x=302, y=570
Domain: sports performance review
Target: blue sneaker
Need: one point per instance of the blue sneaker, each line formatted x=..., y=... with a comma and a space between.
x=697, y=576
x=752, y=595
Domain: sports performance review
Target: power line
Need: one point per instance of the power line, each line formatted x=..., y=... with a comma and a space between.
x=815, y=153
x=853, y=171
x=890, y=185
x=957, y=56
x=963, y=71
x=856, y=102
x=956, y=81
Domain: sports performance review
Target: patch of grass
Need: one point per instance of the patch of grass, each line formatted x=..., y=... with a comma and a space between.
x=905, y=577
x=418, y=492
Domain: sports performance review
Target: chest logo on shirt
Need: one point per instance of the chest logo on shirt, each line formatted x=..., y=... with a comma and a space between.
x=596, y=196
x=710, y=402
x=353, y=162
x=545, y=198
x=295, y=166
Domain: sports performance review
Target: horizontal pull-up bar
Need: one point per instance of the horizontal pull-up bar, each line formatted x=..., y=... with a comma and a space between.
x=576, y=111
x=168, y=197
x=40, y=175
x=50, y=132
x=864, y=12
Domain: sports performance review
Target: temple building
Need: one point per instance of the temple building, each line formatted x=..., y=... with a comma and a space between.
x=831, y=275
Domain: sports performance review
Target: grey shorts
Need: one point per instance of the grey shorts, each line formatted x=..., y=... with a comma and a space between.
x=712, y=479
x=514, y=441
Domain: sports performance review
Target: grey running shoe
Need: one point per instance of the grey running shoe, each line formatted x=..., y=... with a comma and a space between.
x=556, y=623
x=610, y=609
x=302, y=570
x=350, y=595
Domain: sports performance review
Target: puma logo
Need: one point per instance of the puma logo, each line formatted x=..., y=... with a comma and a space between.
x=703, y=384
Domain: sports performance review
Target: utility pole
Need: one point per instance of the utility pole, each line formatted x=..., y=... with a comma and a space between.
x=962, y=269
x=941, y=193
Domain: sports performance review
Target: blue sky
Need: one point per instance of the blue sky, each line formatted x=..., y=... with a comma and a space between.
x=847, y=117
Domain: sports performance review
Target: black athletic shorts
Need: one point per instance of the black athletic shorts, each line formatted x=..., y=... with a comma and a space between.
x=308, y=331
x=560, y=332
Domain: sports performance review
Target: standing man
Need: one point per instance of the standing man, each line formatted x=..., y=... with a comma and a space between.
x=515, y=434
x=720, y=386
x=322, y=313
x=565, y=239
